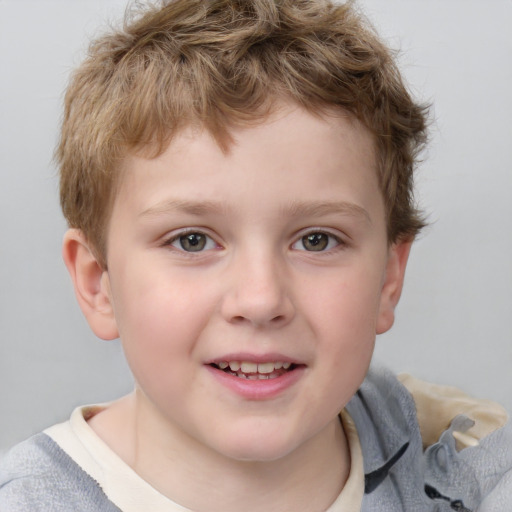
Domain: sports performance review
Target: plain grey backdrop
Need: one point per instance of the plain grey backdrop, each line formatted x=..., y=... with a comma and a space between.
x=454, y=323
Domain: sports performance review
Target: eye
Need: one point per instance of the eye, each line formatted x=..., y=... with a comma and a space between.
x=192, y=242
x=317, y=241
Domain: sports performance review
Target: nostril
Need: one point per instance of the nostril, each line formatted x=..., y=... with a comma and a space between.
x=239, y=319
x=257, y=310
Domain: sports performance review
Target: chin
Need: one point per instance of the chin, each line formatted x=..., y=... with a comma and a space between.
x=256, y=454
x=257, y=448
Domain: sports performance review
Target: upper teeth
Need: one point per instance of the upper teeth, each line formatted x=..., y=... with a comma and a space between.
x=247, y=367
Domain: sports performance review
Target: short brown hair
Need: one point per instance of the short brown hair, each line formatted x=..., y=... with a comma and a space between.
x=221, y=63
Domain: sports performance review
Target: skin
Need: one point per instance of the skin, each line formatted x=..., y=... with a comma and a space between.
x=257, y=290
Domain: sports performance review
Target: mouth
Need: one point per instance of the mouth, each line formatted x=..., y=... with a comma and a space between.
x=255, y=371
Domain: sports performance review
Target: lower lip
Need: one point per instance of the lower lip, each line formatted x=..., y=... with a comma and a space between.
x=264, y=389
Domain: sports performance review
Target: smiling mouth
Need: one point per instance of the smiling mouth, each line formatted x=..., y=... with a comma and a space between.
x=254, y=371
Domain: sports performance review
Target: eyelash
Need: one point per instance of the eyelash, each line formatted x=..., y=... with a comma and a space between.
x=339, y=242
x=176, y=238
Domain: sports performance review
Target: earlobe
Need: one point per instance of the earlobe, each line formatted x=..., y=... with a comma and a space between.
x=91, y=283
x=392, y=286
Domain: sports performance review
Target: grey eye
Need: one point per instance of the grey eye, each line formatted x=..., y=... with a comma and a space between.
x=192, y=242
x=315, y=241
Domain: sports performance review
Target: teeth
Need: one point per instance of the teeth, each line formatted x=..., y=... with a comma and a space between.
x=249, y=367
x=256, y=376
x=246, y=367
x=266, y=367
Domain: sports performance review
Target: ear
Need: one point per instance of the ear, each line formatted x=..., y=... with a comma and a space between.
x=392, y=286
x=91, y=283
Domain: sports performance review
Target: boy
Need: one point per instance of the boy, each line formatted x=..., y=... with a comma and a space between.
x=237, y=177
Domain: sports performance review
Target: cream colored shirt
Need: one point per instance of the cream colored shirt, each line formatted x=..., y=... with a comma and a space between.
x=129, y=492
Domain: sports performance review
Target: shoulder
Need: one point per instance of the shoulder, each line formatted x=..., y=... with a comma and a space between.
x=38, y=475
x=437, y=406
x=467, y=444
x=459, y=449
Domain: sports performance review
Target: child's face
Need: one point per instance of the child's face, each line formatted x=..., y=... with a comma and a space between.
x=274, y=253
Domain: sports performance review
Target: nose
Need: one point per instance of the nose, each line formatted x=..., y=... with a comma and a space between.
x=258, y=292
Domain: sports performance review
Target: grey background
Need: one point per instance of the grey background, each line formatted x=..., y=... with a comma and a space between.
x=454, y=323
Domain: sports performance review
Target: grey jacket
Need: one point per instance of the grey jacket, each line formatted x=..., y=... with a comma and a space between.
x=399, y=476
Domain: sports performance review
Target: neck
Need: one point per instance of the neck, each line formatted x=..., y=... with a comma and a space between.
x=309, y=478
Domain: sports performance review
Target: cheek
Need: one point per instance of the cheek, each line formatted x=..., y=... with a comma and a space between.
x=151, y=296
x=160, y=318
x=344, y=319
x=158, y=335
x=345, y=302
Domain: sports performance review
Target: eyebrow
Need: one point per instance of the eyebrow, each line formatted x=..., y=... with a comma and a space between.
x=322, y=208
x=294, y=209
x=197, y=208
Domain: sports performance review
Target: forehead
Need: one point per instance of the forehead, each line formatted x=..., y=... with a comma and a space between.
x=291, y=154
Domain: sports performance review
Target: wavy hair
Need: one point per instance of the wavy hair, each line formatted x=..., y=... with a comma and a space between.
x=221, y=64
